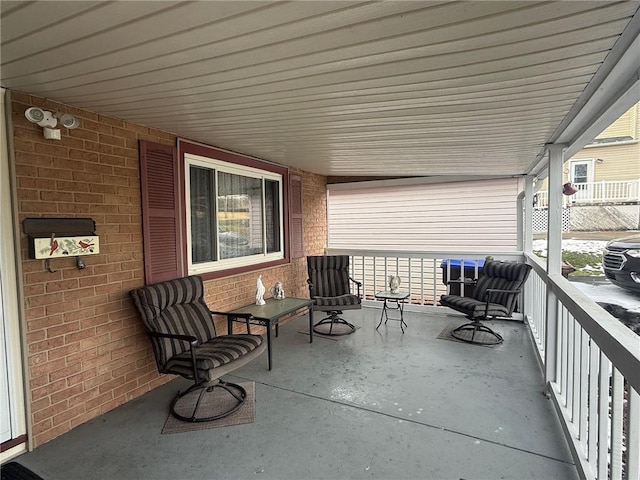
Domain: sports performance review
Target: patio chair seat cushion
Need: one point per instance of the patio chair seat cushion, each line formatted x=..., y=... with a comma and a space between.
x=213, y=354
x=340, y=302
x=474, y=308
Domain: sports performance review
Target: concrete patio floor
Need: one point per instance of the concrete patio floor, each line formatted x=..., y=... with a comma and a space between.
x=375, y=404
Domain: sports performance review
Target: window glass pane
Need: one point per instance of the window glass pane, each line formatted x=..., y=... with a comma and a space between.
x=580, y=173
x=240, y=231
x=202, y=218
x=235, y=214
x=272, y=215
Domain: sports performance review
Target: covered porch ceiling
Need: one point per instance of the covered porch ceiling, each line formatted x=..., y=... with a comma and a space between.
x=341, y=88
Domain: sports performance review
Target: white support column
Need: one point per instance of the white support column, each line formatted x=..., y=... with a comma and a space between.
x=525, y=236
x=520, y=205
x=528, y=213
x=555, y=198
x=554, y=258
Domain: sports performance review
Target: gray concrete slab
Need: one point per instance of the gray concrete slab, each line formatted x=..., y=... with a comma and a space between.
x=375, y=404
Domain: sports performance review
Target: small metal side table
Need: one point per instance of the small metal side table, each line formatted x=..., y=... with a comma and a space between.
x=399, y=298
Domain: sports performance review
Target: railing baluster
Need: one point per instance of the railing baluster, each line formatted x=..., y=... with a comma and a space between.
x=409, y=274
x=433, y=273
x=375, y=274
x=617, y=397
x=603, y=417
x=570, y=363
x=633, y=434
x=584, y=389
x=594, y=379
x=563, y=352
x=422, y=299
x=576, y=370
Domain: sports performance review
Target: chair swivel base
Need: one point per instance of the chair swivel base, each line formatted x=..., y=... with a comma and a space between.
x=333, y=320
x=180, y=409
x=476, y=332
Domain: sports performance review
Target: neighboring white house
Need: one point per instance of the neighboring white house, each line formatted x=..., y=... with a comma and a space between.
x=606, y=177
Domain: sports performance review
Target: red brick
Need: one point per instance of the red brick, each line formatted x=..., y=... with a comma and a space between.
x=84, y=134
x=63, y=373
x=67, y=415
x=58, y=330
x=64, y=352
x=47, y=389
x=111, y=140
x=61, y=285
x=99, y=400
x=95, y=146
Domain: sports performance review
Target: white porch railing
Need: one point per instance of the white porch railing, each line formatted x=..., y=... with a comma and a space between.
x=596, y=379
x=604, y=192
x=421, y=272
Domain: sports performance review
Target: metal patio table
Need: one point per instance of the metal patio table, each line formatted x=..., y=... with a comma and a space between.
x=399, y=299
x=268, y=315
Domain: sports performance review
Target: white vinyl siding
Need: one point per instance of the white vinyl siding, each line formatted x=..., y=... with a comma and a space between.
x=465, y=216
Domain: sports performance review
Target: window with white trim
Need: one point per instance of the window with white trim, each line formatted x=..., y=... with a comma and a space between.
x=234, y=215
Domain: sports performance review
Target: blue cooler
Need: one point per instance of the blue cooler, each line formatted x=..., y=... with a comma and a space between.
x=454, y=272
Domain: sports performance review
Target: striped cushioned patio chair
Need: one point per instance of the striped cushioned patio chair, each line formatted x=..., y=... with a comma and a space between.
x=330, y=288
x=185, y=343
x=495, y=296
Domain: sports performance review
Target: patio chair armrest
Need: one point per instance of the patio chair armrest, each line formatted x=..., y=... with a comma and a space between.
x=193, y=341
x=359, y=284
x=466, y=281
x=491, y=291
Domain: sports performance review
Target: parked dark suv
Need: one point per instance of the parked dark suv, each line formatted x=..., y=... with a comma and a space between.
x=621, y=262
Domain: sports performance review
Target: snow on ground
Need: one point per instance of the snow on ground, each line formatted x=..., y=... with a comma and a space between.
x=572, y=245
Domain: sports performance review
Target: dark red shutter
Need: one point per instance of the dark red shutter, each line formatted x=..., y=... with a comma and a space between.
x=159, y=176
x=296, y=226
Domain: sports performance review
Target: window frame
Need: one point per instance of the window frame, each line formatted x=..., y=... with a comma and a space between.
x=229, y=162
x=573, y=163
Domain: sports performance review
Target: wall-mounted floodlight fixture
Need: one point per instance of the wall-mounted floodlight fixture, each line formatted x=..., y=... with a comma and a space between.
x=48, y=121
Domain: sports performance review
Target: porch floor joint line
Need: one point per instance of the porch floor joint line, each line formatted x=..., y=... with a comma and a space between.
x=416, y=422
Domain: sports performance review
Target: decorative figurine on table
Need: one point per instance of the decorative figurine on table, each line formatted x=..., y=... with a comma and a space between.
x=277, y=291
x=394, y=283
x=260, y=291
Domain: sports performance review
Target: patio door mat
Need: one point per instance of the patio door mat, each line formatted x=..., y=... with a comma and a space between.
x=338, y=328
x=245, y=414
x=480, y=336
x=17, y=471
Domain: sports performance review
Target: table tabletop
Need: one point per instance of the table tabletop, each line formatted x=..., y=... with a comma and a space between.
x=388, y=295
x=274, y=309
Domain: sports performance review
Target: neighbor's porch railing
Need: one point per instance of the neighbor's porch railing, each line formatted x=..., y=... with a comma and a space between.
x=623, y=191
x=596, y=379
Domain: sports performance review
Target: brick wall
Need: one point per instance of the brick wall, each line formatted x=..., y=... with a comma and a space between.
x=87, y=351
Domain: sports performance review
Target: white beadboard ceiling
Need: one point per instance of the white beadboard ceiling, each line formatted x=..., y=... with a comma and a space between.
x=340, y=88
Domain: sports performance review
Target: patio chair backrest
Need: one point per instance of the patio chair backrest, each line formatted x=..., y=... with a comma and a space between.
x=329, y=275
x=502, y=276
x=177, y=307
